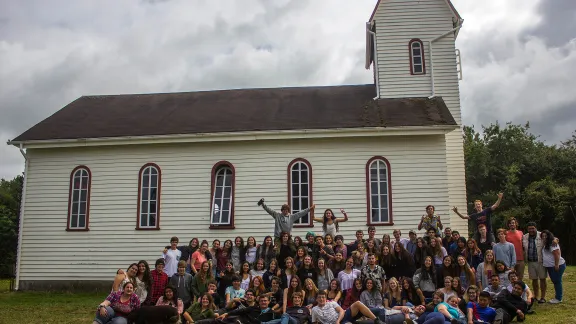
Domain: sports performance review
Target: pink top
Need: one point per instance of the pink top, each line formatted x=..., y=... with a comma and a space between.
x=199, y=257
x=180, y=306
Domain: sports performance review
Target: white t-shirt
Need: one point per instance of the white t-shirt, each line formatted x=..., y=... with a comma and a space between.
x=347, y=279
x=327, y=314
x=171, y=259
x=548, y=256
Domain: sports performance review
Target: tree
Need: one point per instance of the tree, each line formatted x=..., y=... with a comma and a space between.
x=10, y=198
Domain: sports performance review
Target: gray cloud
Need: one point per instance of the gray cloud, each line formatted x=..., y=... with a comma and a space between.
x=558, y=22
x=54, y=52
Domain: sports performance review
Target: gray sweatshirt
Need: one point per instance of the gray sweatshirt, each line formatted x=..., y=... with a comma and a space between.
x=505, y=252
x=284, y=223
x=183, y=285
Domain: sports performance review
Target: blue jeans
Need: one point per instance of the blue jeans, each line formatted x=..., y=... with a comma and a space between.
x=276, y=321
x=110, y=318
x=556, y=277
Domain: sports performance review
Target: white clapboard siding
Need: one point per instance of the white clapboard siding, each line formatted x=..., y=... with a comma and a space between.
x=49, y=252
x=397, y=22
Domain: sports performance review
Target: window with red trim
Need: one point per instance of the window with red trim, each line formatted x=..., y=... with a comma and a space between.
x=149, y=185
x=417, y=65
x=222, y=206
x=79, y=199
x=378, y=191
x=300, y=189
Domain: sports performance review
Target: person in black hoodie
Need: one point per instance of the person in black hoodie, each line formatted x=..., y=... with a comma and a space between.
x=307, y=270
x=512, y=303
x=187, y=251
x=253, y=314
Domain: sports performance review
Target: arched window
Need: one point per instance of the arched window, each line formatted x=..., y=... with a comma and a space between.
x=378, y=191
x=417, y=65
x=300, y=190
x=79, y=199
x=149, y=185
x=222, y=206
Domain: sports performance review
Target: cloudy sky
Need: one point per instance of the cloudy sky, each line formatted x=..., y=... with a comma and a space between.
x=519, y=56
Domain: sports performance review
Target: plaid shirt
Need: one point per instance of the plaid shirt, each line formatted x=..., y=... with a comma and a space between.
x=377, y=275
x=532, y=252
x=159, y=282
x=114, y=299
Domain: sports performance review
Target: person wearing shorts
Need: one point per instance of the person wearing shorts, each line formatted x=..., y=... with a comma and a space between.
x=532, y=245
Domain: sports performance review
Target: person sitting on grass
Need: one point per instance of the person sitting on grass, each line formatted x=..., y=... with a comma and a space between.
x=481, y=312
x=330, y=312
x=116, y=307
x=170, y=298
x=202, y=310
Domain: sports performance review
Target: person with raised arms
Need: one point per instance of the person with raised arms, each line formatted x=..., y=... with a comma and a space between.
x=481, y=216
x=284, y=221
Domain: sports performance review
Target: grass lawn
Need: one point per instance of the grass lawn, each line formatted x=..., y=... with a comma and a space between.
x=48, y=308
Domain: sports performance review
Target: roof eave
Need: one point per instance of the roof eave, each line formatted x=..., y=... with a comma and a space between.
x=240, y=136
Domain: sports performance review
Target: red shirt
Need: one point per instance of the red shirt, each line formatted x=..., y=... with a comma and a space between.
x=159, y=282
x=516, y=239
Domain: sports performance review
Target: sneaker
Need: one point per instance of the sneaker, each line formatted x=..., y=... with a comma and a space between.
x=554, y=301
x=541, y=301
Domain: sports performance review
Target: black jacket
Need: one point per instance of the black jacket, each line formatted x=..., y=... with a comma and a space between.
x=254, y=315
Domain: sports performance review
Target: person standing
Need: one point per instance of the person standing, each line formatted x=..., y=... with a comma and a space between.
x=532, y=245
x=171, y=256
x=431, y=220
x=514, y=236
x=554, y=263
x=504, y=250
x=284, y=221
x=330, y=222
x=481, y=216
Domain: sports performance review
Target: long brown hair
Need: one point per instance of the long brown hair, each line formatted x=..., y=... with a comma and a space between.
x=325, y=220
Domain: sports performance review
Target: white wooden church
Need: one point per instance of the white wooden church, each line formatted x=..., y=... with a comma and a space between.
x=109, y=179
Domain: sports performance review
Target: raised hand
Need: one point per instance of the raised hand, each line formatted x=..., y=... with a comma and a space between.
x=260, y=202
x=312, y=207
x=500, y=195
x=455, y=209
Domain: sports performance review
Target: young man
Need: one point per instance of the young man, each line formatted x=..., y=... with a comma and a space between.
x=375, y=272
x=526, y=295
x=372, y=235
x=183, y=283
x=504, y=250
x=311, y=245
x=354, y=245
x=254, y=313
x=481, y=312
x=234, y=294
x=431, y=221
x=297, y=313
x=454, y=245
x=481, y=216
x=430, y=235
x=514, y=236
x=331, y=313
x=532, y=245
x=398, y=238
x=284, y=221
x=512, y=303
x=411, y=244
x=322, y=250
x=159, y=281
x=484, y=243
x=447, y=239
x=171, y=257
x=495, y=287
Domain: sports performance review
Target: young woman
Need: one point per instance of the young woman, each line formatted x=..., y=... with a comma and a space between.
x=457, y=287
x=371, y=296
x=353, y=294
x=226, y=278
x=451, y=311
x=360, y=257
x=214, y=250
x=259, y=269
x=275, y=292
x=439, y=252
x=410, y=295
x=337, y=264
x=143, y=281
x=330, y=222
x=294, y=286
x=422, y=251
x=334, y=293
x=464, y=272
x=250, y=250
x=372, y=248
x=329, y=241
x=266, y=251
x=238, y=254
x=485, y=270
x=223, y=256
x=347, y=276
x=201, y=279
x=118, y=304
x=170, y=298
x=388, y=262
x=301, y=252
x=285, y=249
x=187, y=251
x=325, y=275
x=460, y=248
x=199, y=257
x=554, y=263
x=201, y=310
x=340, y=247
x=257, y=284
x=288, y=273
x=122, y=277
x=425, y=278
x=404, y=261
x=473, y=254
x=393, y=297
x=437, y=298
x=502, y=271
x=448, y=268
x=298, y=242
x=448, y=291
x=244, y=275
x=471, y=295
x=273, y=271
x=307, y=270
x=386, y=241
x=310, y=291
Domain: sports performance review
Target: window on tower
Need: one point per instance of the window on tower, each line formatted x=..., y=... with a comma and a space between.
x=417, y=65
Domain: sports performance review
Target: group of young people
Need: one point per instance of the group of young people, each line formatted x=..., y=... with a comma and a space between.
x=320, y=279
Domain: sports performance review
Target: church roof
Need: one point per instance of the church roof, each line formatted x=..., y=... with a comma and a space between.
x=348, y=106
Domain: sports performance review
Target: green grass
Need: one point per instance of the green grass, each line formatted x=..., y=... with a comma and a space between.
x=48, y=308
